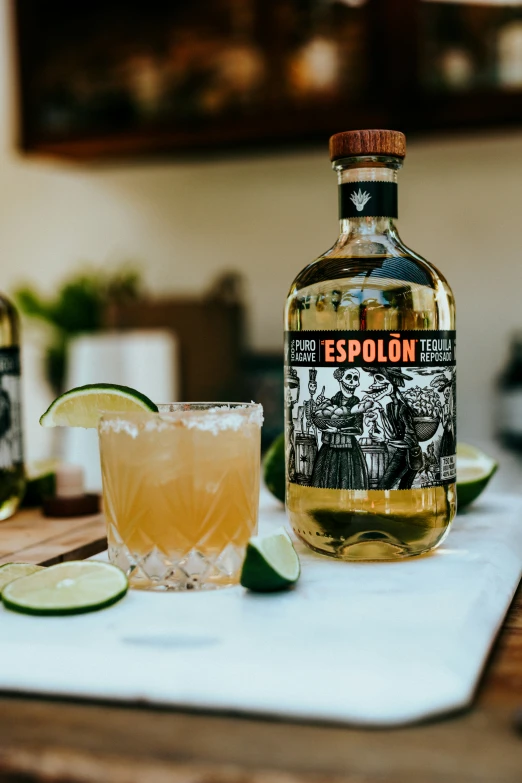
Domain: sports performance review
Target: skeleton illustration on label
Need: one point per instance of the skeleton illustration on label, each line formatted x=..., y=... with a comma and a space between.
x=340, y=462
x=398, y=422
x=388, y=424
x=291, y=398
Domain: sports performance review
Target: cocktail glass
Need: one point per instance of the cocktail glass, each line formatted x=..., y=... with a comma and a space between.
x=181, y=492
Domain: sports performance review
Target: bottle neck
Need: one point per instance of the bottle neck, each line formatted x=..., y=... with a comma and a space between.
x=367, y=195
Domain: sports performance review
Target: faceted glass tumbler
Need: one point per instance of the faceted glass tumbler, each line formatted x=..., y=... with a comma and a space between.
x=181, y=492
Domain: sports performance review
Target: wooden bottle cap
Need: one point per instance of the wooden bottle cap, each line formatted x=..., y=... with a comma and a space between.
x=367, y=142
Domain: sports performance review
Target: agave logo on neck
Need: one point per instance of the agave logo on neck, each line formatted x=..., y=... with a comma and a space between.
x=360, y=199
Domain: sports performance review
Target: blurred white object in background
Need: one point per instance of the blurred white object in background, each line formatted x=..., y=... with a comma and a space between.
x=37, y=395
x=70, y=481
x=146, y=360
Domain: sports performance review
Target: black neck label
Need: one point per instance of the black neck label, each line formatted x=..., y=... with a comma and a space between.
x=368, y=199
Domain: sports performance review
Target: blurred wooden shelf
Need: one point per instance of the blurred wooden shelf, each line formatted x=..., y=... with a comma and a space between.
x=460, y=110
x=384, y=48
x=278, y=130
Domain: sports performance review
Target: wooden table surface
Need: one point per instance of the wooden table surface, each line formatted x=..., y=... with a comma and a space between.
x=29, y=537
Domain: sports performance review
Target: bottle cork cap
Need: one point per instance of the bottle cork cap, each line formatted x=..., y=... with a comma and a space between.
x=367, y=142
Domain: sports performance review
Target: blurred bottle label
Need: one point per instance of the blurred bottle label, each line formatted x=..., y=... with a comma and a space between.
x=11, y=448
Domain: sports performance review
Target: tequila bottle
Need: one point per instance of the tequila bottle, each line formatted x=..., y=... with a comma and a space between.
x=370, y=376
x=12, y=475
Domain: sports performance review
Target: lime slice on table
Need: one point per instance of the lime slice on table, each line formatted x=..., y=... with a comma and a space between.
x=271, y=563
x=474, y=470
x=67, y=588
x=11, y=571
x=83, y=405
x=274, y=468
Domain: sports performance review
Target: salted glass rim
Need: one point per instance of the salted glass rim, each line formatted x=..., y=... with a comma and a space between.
x=212, y=416
x=214, y=407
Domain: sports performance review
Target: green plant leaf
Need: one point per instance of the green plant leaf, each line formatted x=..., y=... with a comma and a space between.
x=31, y=304
x=78, y=307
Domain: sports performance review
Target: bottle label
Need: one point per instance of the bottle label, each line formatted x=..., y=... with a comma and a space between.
x=11, y=448
x=370, y=409
x=368, y=199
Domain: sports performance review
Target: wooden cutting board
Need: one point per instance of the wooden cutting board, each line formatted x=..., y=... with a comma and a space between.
x=30, y=537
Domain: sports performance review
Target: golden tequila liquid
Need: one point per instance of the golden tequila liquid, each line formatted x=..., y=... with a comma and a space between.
x=383, y=437
x=181, y=493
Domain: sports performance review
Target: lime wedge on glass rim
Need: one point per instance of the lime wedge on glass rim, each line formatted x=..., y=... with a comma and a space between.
x=67, y=588
x=271, y=563
x=83, y=405
x=11, y=571
x=474, y=470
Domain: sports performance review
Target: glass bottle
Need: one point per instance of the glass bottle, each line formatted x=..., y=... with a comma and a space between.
x=509, y=402
x=371, y=464
x=12, y=474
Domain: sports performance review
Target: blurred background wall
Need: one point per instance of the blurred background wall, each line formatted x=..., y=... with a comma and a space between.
x=267, y=216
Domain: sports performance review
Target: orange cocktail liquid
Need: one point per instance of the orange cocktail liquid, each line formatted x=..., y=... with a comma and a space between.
x=181, y=495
